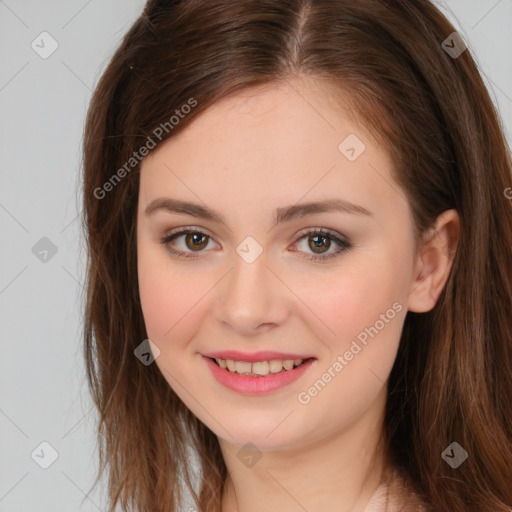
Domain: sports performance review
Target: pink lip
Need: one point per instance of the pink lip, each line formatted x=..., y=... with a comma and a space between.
x=254, y=357
x=256, y=385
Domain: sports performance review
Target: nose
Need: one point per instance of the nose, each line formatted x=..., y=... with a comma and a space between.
x=252, y=298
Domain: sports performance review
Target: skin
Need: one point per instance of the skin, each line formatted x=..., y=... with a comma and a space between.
x=244, y=157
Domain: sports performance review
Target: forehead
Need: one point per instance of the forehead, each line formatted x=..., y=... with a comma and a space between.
x=285, y=141
x=292, y=109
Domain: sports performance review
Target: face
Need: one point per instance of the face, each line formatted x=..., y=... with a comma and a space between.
x=326, y=285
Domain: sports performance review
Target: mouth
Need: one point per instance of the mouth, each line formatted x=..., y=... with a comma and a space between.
x=257, y=377
x=259, y=368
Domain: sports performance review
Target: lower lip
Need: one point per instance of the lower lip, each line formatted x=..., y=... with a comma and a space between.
x=256, y=385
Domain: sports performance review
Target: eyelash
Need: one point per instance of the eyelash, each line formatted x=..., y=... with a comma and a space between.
x=344, y=245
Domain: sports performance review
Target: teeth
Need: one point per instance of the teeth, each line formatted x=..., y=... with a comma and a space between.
x=243, y=367
x=275, y=366
x=260, y=368
x=288, y=364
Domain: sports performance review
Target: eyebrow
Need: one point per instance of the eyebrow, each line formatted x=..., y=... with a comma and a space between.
x=284, y=214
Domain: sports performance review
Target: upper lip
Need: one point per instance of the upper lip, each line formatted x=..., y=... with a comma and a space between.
x=253, y=357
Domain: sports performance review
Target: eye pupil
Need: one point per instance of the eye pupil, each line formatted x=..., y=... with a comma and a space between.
x=197, y=240
x=317, y=245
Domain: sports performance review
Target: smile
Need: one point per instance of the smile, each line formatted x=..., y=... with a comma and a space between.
x=259, y=368
x=259, y=377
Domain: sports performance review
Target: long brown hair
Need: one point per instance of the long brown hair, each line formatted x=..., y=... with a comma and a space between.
x=452, y=379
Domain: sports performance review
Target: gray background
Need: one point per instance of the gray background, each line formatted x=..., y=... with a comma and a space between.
x=43, y=397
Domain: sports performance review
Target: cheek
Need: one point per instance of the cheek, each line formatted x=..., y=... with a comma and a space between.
x=171, y=296
x=364, y=309
x=159, y=291
x=348, y=300
x=366, y=314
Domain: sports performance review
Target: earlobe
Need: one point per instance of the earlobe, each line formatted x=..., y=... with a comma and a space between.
x=434, y=262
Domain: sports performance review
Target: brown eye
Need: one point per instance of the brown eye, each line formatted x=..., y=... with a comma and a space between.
x=186, y=242
x=319, y=243
x=196, y=241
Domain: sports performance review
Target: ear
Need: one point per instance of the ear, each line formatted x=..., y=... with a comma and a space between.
x=434, y=261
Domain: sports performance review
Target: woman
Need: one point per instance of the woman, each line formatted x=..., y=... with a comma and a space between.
x=293, y=210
